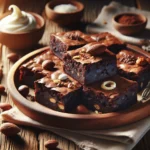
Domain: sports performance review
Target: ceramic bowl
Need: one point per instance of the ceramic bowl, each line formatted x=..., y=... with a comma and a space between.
x=130, y=29
x=64, y=18
x=23, y=40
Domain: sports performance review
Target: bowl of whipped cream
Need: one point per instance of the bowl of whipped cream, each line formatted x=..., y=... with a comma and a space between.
x=19, y=29
x=64, y=12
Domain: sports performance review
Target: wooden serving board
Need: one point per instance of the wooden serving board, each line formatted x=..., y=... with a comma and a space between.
x=72, y=121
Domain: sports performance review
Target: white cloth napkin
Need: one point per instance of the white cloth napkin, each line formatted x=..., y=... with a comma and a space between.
x=103, y=23
x=122, y=138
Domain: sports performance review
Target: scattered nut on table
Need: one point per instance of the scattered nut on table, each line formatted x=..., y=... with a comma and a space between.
x=50, y=144
x=13, y=57
x=24, y=90
x=9, y=129
x=5, y=106
x=2, y=88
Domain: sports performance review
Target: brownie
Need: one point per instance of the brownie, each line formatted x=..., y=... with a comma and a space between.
x=62, y=42
x=134, y=66
x=90, y=63
x=33, y=70
x=112, y=43
x=58, y=92
x=112, y=94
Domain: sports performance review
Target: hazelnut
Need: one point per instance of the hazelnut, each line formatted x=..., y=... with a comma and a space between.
x=141, y=61
x=48, y=65
x=24, y=90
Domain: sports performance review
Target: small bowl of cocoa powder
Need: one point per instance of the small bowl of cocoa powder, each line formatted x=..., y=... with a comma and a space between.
x=129, y=23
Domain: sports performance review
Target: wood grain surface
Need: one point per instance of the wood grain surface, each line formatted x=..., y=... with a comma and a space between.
x=31, y=138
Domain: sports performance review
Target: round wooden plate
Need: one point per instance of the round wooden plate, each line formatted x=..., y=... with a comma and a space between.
x=66, y=120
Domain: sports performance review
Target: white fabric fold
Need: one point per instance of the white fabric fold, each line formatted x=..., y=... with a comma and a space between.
x=103, y=23
x=122, y=138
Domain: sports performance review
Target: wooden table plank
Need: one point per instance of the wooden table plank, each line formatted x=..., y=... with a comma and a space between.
x=29, y=138
x=26, y=140
x=64, y=144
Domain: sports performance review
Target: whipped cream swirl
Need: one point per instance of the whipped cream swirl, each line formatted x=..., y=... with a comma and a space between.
x=18, y=21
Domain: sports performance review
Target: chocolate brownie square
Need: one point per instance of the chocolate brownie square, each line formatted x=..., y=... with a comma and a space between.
x=36, y=68
x=134, y=66
x=112, y=94
x=62, y=42
x=90, y=63
x=58, y=92
x=112, y=43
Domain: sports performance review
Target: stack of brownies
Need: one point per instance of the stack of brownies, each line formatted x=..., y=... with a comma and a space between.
x=96, y=71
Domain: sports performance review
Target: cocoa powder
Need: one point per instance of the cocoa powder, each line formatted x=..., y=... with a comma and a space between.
x=129, y=19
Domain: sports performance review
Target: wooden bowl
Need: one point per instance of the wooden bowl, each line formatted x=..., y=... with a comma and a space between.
x=64, y=18
x=23, y=40
x=51, y=117
x=129, y=29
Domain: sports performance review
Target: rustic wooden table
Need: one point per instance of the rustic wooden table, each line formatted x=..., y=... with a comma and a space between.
x=33, y=139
